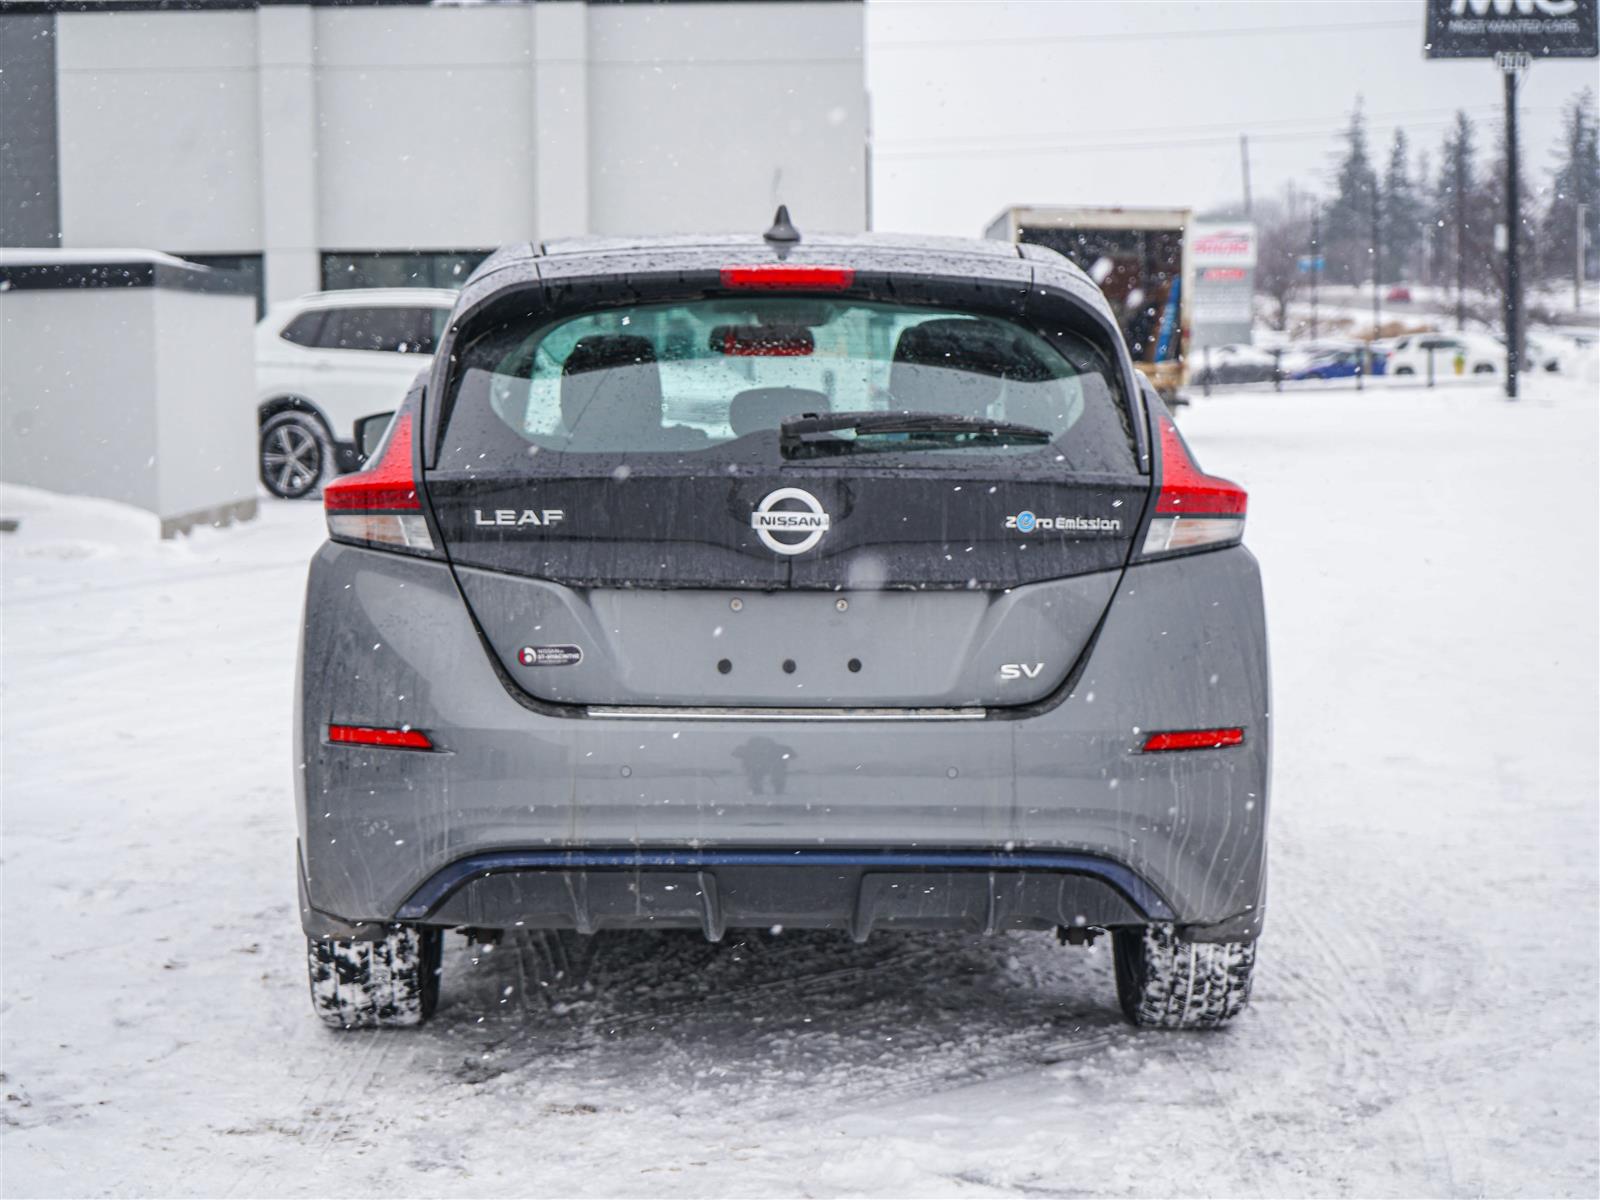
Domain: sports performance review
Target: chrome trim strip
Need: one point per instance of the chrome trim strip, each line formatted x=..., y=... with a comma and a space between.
x=644, y=712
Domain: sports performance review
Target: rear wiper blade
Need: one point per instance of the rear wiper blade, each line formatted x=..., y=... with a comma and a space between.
x=798, y=431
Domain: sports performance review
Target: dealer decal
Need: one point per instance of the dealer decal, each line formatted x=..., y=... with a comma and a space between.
x=550, y=656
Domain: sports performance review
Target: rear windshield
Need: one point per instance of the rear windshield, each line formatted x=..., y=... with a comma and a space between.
x=722, y=378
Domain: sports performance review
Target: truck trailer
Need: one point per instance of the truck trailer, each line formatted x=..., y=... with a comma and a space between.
x=1140, y=259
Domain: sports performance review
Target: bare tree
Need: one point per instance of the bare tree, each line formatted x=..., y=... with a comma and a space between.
x=1284, y=235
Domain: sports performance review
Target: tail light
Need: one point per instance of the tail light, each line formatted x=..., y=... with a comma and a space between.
x=1194, y=511
x=367, y=735
x=781, y=277
x=379, y=505
x=1193, y=739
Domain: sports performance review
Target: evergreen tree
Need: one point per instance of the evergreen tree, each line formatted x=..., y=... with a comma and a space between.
x=1575, y=181
x=1462, y=220
x=1403, y=214
x=1347, y=226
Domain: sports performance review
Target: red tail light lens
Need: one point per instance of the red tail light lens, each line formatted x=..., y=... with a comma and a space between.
x=1193, y=739
x=781, y=277
x=1194, y=510
x=366, y=735
x=379, y=505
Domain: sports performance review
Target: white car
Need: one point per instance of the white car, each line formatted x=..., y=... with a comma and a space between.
x=327, y=359
x=1453, y=354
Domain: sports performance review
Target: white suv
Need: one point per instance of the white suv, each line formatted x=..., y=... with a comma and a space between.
x=325, y=360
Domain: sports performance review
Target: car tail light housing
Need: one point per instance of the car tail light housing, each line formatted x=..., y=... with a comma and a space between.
x=379, y=506
x=783, y=277
x=1194, y=511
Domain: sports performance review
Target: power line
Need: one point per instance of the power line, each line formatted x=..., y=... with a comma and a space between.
x=987, y=140
x=1139, y=36
x=1219, y=139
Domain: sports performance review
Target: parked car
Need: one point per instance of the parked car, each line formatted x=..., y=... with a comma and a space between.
x=1232, y=363
x=1453, y=354
x=1399, y=294
x=324, y=360
x=1545, y=352
x=755, y=582
x=1342, y=364
x=1299, y=355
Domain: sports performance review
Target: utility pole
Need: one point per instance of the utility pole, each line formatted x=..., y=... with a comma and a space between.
x=1512, y=65
x=1316, y=259
x=1461, y=234
x=1244, y=162
x=1377, y=265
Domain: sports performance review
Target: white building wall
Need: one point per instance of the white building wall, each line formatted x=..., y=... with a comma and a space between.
x=427, y=134
x=159, y=129
x=62, y=430
x=561, y=114
x=205, y=390
x=705, y=117
x=291, y=131
x=287, y=105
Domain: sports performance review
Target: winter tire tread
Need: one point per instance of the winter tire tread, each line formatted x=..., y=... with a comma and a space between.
x=390, y=983
x=1167, y=982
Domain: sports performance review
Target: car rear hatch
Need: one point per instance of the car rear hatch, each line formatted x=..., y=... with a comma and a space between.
x=782, y=495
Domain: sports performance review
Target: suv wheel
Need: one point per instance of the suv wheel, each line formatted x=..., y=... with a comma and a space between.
x=383, y=984
x=1165, y=982
x=295, y=455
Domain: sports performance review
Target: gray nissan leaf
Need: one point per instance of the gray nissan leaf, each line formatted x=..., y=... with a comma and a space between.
x=849, y=583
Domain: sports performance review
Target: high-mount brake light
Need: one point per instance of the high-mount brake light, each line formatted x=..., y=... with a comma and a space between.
x=1194, y=511
x=379, y=505
x=782, y=277
x=366, y=735
x=1193, y=739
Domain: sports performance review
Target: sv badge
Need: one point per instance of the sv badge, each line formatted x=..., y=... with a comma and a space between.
x=1021, y=670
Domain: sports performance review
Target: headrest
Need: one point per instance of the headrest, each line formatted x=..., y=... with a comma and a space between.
x=610, y=389
x=950, y=365
x=770, y=407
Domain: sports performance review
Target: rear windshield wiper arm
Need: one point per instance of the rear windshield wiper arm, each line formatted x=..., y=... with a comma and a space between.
x=799, y=430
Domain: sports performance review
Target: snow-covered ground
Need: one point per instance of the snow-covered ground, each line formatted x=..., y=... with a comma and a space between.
x=1425, y=1017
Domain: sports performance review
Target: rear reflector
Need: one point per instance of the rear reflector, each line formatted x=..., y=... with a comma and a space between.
x=379, y=505
x=778, y=277
x=1193, y=739
x=1194, y=510
x=364, y=735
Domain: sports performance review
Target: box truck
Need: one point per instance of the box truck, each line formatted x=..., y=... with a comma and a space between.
x=1140, y=259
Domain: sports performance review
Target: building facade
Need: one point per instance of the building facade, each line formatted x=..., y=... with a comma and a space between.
x=333, y=144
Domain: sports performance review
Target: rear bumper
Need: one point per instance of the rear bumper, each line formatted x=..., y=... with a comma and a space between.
x=540, y=820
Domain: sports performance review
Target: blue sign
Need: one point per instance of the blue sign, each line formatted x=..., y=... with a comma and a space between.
x=1308, y=264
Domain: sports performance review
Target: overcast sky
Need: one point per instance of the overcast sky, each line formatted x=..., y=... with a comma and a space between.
x=979, y=104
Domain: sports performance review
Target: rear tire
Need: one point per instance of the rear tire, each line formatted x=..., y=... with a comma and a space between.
x=1166, y=982
x=389, y=983
x=1404, y=371
x=295, y=455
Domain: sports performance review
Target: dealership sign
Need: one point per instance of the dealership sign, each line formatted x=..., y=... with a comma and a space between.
x=1223, y=258
x=1484, y=28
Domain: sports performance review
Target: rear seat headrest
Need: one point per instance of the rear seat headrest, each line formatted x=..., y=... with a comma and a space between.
x=610, y=383
x=770, y=407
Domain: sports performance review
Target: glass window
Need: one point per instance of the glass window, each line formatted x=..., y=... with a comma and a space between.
x=386, y=328
x=305, y=329
x=727, y=374
x=399, y=268
x=246, y=266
